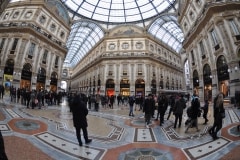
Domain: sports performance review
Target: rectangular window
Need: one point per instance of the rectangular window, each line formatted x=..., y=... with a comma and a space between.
x=31, y=50
x=192, y=55
x=214, y=37
x=202, y=48
x=56, y=62
x=45, y=54
x=125, y=69
x=235, y=29
x=153, y=72
x=140, y=69
x=14, y=46
x=193, y=58
x=110, y=70
x=2, y=44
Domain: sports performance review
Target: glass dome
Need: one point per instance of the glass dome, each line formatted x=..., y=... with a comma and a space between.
x=118, y=11
x=83, y=36
x=167, y=30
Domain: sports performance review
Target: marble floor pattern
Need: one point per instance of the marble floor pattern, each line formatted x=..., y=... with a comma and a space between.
x=48, y=134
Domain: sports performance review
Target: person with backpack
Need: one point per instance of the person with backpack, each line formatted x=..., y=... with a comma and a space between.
x=195, y=108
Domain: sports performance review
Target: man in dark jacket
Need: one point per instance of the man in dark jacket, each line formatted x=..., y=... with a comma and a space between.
x=178, y=111
x=80, y=112
x=3, y=155
x=148, y=107
x=195, y=107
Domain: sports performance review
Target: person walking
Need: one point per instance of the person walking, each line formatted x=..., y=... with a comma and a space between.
x=162, y=107
x=195, y=108
x=205, y=111
x=80, y=112
x=178, y=111
x=218, y=112
x=131, y=104
x=172, y=104
x=147, y=109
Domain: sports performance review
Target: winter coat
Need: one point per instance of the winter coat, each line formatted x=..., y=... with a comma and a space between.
x=149, y=106
x=80, y=112
x=180, y=105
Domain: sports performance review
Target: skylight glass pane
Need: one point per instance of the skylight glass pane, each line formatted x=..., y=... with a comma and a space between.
x=103, y=4
x=115, y=13
x=116, y=19
x=131, y=18
x=102, y=11
x=133, y=11
x=130, y=5
x=100, y=17
x=84, y=12
x=148, y=14
x=72, y=5
x=146, y=8
x=118, y=6
x=88, y=7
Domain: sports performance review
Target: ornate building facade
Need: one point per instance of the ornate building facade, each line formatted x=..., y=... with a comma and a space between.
x=129, y=61
x=212, y=46
x=33, y=36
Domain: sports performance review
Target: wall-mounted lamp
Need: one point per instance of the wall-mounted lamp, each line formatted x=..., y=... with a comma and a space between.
x=211, y=76
x=235, y=69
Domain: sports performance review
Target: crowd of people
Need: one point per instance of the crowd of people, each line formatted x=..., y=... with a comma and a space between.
x=174, y=104
x=35, y=98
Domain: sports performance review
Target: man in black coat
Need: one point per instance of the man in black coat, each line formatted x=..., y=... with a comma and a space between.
x=80, y=112
x=3, y=155
x=148, y=107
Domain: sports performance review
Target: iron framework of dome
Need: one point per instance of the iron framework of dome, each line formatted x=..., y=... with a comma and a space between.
x=118, y=11
x=110, y=12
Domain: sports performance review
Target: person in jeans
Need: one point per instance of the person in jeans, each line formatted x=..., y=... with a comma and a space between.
x=147, y=109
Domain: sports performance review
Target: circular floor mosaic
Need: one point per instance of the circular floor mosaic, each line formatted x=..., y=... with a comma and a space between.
x=27, y=125
x=145, y=154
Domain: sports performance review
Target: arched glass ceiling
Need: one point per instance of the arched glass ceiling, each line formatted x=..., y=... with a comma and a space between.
x=83, y=36
x=118, y=11
x=167, y=30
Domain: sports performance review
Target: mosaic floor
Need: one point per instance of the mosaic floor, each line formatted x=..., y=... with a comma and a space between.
x=48, y=134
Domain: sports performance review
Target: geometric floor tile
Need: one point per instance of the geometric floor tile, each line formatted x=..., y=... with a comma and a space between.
x=70, y=148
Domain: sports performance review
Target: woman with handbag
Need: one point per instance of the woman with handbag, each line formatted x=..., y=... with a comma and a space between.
x=219, y=114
